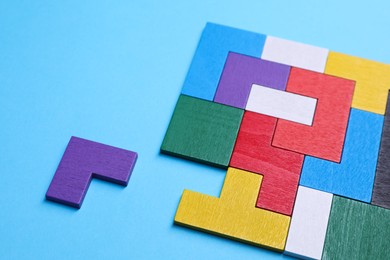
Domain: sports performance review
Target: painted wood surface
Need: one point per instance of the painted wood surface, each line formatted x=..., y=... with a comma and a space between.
x=234, y=214
x=295, y=54
x=325, y=138
x=372, y=80
x=281, y=168
x=200, y=131
x=309, y=222
x=354, y=176
x=84, y=160
x=241, y=71
x=281, y=104
x=381, y=192
x=210, y=56
x=357, y=231
x=203, y=131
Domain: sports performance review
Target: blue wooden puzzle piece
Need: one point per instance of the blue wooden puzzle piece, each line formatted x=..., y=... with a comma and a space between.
x=354, y=176
x=209, y=59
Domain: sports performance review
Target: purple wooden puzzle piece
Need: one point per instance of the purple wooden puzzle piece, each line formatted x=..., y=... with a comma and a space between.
x=241, y=72
x=84, y=160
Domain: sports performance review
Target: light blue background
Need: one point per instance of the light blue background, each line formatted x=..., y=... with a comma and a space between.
x=111, y=71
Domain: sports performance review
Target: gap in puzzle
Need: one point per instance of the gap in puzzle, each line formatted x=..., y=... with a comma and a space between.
x=304, y=133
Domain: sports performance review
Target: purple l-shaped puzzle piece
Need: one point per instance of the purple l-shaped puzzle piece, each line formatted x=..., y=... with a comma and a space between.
x=241, y=71
x=84, y=160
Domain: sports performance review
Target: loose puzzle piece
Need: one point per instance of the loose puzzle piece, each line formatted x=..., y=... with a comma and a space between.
x=372, y=80
x=357, y=231
x=381, y=192
x=309, y=221
x=241, y=71
x=280, y=168
x=295, y=54
x=281, y=104
x=84, y=160
x=234, y=214
x=330, y=120
x=203, y=131
x=209, y=59
x=354, y=176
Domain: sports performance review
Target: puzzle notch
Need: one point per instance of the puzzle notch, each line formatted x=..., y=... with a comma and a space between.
x=234, y=214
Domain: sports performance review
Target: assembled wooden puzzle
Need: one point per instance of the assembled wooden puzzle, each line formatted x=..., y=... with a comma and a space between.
x=304, y=133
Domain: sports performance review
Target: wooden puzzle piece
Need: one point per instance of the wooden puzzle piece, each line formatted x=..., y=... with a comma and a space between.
x=281, y=104
x=295, y=54
x=357, y=231
x=381, y=192
x=280, y=168
x=325, y=138
x=309, y=221
x=354, y=176
x=372, y=80
x=210, y=56
x=84, y=160
x=203, y=131
x=241, y=71
x=234, y=214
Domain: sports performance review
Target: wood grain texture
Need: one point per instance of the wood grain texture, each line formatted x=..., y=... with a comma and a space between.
x=203, y=131
x=309, y=221
x=354, y=176
x=325, y=138
x=241, y=71
x=357, y=231
x=83, y=160
x=210, y=56
x=280, y=168
x=234, y=214
x=381, y=192
x=281, y=104
x=372, y=80
x=295, y=54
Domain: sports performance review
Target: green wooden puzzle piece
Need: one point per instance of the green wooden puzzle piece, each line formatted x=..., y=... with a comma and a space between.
x=357, y=230
x=203, y=131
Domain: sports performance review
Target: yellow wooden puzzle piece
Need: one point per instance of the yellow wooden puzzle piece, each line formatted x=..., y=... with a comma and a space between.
x=372, y=80
x=234, y=214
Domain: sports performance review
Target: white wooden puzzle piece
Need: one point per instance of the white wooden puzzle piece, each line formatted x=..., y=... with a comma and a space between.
x=295, y=54
x=309, y=222
x=281, y=104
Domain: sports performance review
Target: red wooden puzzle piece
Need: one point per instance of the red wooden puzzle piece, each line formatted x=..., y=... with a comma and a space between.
x=325, y=138
x=281, y=168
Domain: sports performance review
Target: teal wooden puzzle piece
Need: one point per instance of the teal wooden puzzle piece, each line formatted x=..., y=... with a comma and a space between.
x=357, y=230
x=354, y=176
x=203, y=131
x=209, y=59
